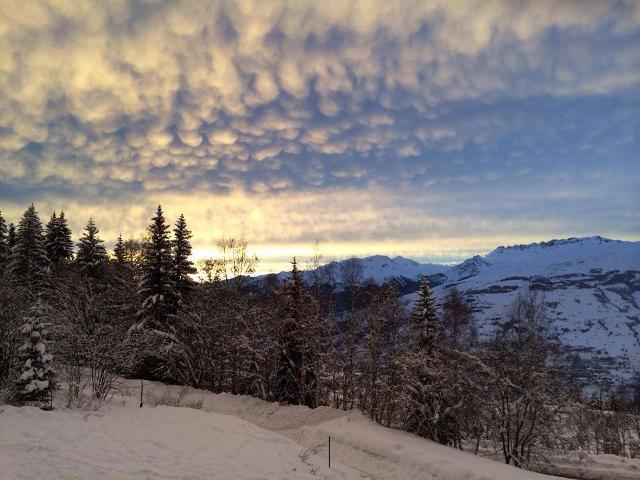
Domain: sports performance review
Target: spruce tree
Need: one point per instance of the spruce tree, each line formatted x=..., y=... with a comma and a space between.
x=424, y=320
x=424, y=405
x=4, y=242
x=156, y=285
x=58, y=239
x=28, y=261
x=119, y=252
x=182, y=265
x=36, y=380
x=92, y=254
x=50, y=234
x=296, y=381
x=11, y=236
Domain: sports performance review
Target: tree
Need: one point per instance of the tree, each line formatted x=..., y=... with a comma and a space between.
x=427, y=409
x=92, y=254
x=182, y=265
x=36, y=381
x=58, y=241
x=296, y=377
x=351, y=276
x=134, y=255
x=11, y=236
x=523, y=379
x=28, y=260
x=156, y=285
x=4, y=242
x=120, y=252
x=424, y=320
x=235, y=262
x=383, y=318
x=458, y=326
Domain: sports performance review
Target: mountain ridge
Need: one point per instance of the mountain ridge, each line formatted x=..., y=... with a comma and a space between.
x=591, y=286
x=430, y=268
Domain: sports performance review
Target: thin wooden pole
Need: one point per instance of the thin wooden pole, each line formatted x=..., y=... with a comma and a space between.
x=329, y=451
x=141, y=390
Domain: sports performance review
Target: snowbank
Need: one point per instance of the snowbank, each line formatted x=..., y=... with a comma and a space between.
x=231, y=437
x=147, y=443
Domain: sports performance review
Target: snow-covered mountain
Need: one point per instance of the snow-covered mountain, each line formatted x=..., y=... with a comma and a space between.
x=591, y=286
x=377, y=268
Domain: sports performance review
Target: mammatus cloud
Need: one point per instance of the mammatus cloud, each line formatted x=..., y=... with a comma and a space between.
x=403, y=121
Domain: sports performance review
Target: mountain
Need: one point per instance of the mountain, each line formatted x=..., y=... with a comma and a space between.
x=590, y=285
x=377, y=268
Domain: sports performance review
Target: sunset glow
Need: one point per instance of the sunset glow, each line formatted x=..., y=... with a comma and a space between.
x=434, y=130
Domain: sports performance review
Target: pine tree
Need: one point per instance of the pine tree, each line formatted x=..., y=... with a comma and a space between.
x=36, y=382
x=91, y=254
x=58, y=239
x=424, y=320
x=424, y=403
x=50, y=234
x=182, y=265
x=28, y=261
x=11, y=236
x=119, y=252
x=296, y=382
x=156, y=285
x=4, y=242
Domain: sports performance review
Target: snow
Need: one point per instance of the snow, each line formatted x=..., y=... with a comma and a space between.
x=590, y=285
x=128, y=443
x=232, y=437
x=381, y=268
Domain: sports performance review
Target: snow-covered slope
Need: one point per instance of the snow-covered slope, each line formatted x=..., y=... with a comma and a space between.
x=591, y=287
x=236, y=437
x=232, y=437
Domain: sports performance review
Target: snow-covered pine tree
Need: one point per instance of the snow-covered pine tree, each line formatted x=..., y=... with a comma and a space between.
x=156, y=285
x=424, y=320
x=424, y=403
x=4, y=242
x=28, y=261
x=119, y=251
x=36, y=382
x=182, y=265
x=92, y=254
x=296, y=378
x=58, y=239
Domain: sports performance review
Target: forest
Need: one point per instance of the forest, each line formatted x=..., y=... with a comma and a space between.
x=75, y=314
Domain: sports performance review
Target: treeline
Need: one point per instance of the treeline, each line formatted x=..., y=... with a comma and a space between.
x=139, y=313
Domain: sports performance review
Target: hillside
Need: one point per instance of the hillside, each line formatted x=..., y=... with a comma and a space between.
x=236, y=437
x=591, y=286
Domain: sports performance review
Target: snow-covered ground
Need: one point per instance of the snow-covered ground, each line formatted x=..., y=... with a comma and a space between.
x=230, y=437
x=591, y=287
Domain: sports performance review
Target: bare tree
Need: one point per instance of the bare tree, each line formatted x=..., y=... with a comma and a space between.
x=523, y=380
x=235, y=262
x=351, y=273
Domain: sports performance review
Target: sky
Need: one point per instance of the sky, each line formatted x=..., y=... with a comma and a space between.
x=429, y=129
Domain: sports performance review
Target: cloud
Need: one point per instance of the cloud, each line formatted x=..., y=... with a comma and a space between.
x=105, y=101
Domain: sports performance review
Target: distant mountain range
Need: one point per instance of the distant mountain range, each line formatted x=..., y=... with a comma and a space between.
x=591, y=286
